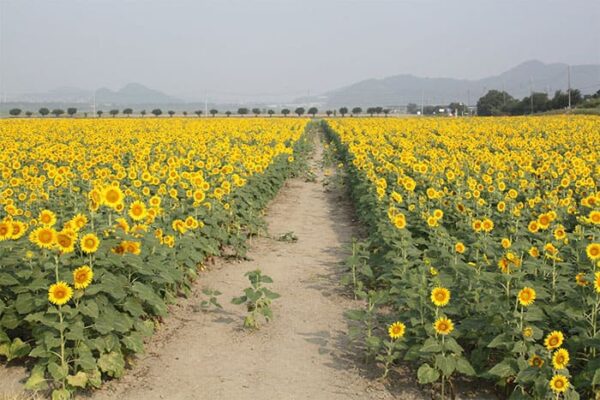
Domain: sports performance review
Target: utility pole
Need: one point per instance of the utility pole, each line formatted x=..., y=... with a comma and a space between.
x=531, y=93
x=569, y=84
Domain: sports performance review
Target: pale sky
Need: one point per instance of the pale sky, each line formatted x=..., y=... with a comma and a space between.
x=262, y=48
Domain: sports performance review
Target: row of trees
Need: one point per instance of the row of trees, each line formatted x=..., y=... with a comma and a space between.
x=343, y=111
x=497, y=102
x=57, y=112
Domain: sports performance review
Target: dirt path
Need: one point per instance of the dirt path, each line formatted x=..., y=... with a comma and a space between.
x=302, y=354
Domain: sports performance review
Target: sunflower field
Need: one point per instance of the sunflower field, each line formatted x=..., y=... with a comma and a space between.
x=103, y=223
x=483, y=248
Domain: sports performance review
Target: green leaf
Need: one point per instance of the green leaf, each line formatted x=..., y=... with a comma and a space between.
x=426, y=374
x=464, y=367
x=239, y=300
x=7, y=279
x=58, y=372
x=431, y=345
x=61, y=394
x=446, y=364
x=112, y=364
x=503, y=369
x=78, y=380
x=36, y=380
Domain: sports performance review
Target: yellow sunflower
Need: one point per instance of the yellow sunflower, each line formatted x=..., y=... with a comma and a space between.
x=112, y=196
x=82, y=277
x=559, y=383
x=594, y=217
x=554, y=340
x=6, y=230
x=60, y=293
x=65, y=241
x=400, y=221
x=440, y=296
x=43, y=237
x=597, y=281
x=560, y=359
x=138, y=211
x=580, y=279
x=396, y=330
x=89, y=243
x=536, y=361
x=460, y=247
x=527, y=296
x=593, y=251
x=47, y=218
x=487, y=225
x=443, y=326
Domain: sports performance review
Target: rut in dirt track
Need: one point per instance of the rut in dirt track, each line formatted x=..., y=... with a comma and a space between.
x=303, y=353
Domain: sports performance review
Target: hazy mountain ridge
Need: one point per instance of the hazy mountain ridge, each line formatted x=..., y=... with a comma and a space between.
x=407, y=88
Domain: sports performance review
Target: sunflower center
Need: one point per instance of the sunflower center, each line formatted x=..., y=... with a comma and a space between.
x=46, y=237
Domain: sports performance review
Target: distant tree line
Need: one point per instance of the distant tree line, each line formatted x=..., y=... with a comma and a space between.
x=496, y=102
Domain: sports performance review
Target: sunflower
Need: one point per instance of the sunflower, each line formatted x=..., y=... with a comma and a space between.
x=487, y=225
x=396, y=330
x=505, y=242
x=132, y=247
x=559, y=232
x=476, y=225
x=43, y=237
x=138, y=211
x=536, y=361
x=47, y=218
x=79, y=221
x=123, y=224
x=501, y=206
x=554, y=340
x=594, y=217
x=400, y=221
x=534, y=252
x=82, y=277
x=593, y=251
x=438, y=214
x=89, y=243
x=112, y=196
x=18, y=230
x=65, y=241
x=544, y=221
x=199, y=196
x=6, y=230
x=580, y=279
x=527, y=332
x=440, y=296
x=533, y=227
x=60, y=293
x=526, y=296
x=443, y=326
x=560, y=359
x=460, y=247
x=597, y=281
x=432, y=222
x=559, y=383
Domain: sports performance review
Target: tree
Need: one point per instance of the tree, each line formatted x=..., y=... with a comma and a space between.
x=371, y=111
x=142, y=113
x=356, y=110
x=412, y=108
x=300, y=111
x=171, y=113
x=313, y=111
x=343, y=111
x=328, y=112
x=114, y=112
x=44, y=111
x=157, y=112
x=184, y=113
x=214, y=112
x=378, y=110
x=57, y=111
x=256, y=111
x=457, y=108
x=243, y=111
x=228, y=113
x=128, y=112
x=99, y=112
x=71, y=111
x=285, y=112
x=15, y=112
x=270, y=112
x=494, y=102
x=198, y=112
x=28, y=113
x=386, y=112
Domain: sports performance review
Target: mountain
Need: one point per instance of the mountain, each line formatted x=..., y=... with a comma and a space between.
x=134, y=93
x=130, y=95
x=406, y=88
